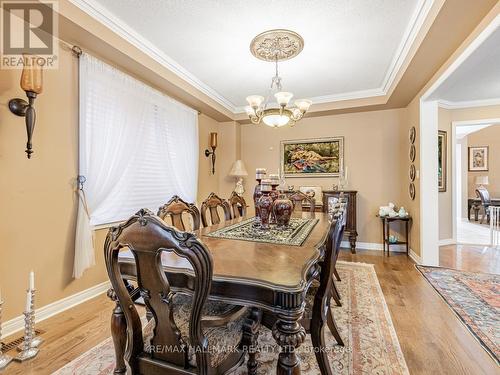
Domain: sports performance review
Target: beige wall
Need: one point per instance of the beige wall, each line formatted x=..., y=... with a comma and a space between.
x=487, y=137
x=372, y=154
x=412, y=119
x=37, y=219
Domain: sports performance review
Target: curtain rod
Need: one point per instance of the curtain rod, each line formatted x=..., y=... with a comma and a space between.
x=77, y=52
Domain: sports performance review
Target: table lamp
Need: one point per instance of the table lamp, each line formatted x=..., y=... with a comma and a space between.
x=239, y=171
x=481, y=181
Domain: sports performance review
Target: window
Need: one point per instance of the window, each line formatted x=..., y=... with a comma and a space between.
x=138, y=147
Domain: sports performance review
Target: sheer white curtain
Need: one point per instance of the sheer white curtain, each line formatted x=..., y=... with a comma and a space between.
x=138, y=147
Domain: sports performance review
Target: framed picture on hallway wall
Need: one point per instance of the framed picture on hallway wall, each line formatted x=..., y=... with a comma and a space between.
x=320, y=157
x=478, y=159
x=442, y=162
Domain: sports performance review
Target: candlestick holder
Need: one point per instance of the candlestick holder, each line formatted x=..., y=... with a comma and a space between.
x=28, y=350
x=36, y=341
x=4, y=358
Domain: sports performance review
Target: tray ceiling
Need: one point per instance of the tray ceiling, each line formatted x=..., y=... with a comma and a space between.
x=353, y=48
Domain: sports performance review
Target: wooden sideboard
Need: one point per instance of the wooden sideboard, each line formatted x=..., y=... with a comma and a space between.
x=350, y=231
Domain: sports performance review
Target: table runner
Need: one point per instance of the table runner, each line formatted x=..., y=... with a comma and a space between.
x=294, y=234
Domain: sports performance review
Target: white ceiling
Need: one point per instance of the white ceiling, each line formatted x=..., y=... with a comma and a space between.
x=477, y=78
x=353, y=48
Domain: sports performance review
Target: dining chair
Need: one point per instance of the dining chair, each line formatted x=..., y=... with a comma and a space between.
x=175, y=209
x=298, y=198
x=188, y=334
x=317, y=312
x=211, y=204
x=238, y=205
x=483, y=194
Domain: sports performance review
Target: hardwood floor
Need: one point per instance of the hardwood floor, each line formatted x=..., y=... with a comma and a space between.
x=433, y=340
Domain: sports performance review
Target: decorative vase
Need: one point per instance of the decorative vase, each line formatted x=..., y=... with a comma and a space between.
x=282, y=209
x=275, y=181
x=260, y=173
x=265, y=204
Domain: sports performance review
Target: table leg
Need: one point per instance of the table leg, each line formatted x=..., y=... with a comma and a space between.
x=289, y=335
x=383, y=236
x=476, y=212
x=407, y=239
x=387, y=232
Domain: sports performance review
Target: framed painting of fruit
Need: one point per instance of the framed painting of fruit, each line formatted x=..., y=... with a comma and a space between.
x=323, y=157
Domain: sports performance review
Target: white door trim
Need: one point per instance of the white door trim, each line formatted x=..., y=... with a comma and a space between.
x=429, y=203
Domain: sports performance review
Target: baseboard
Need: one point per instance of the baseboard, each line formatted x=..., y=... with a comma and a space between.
x=415, y=257
x=373, y=246
x=448, y=241
x=379, y=247
x=54, y=308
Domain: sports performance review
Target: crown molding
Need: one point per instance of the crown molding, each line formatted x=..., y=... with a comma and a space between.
x=103, y=15
x=447, y=104
x=416, y=22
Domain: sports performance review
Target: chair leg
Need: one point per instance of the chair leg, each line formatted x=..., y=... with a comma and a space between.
x=335, y=294
x=250, y=335
x=318, y=341
x=336, y=274
x=333, y=328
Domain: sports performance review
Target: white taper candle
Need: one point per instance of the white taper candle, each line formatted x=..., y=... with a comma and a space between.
x=32, y=280
x=28, y=301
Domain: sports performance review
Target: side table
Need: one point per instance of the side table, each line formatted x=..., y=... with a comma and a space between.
x=386, y=220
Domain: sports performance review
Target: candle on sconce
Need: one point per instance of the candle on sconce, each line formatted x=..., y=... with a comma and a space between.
x=32, y=281
x=28, y=301
x=345, y=175
x=213, y=140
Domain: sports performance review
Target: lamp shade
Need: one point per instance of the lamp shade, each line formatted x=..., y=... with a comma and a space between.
x=31, y=77
x=481, y=180
x=238, y=169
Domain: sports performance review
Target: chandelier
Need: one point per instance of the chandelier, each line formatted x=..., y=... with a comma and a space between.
x=275, y=46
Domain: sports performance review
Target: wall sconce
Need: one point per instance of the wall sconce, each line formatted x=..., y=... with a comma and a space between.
x=213, y=145
x=31, y=83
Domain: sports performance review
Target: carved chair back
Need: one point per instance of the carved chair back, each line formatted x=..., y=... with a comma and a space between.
x=298, y=198
x=147, y=237
x=238, y=205
x=331, y=246
x=484, y=195
x=211, y=204
x=175, y=209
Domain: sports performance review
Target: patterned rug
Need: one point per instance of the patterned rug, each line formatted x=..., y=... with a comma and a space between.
x=294, y=234
x=475, y=299
x=371, y=344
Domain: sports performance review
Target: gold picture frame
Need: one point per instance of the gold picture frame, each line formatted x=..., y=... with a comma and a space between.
x=316, y=157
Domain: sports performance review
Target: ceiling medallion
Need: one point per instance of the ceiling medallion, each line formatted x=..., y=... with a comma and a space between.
x=276, y=45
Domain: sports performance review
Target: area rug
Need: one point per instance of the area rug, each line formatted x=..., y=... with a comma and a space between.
x=371, y=344
x=294, y=234
x=475, y=299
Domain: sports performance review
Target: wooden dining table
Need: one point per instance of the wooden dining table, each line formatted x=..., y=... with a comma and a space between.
x=266, y=276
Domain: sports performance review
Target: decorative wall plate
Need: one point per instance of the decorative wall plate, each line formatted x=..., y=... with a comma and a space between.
x=411, y=191
x=278, y=44
x=412, y=135
x=413, y=153
x=412, y=173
